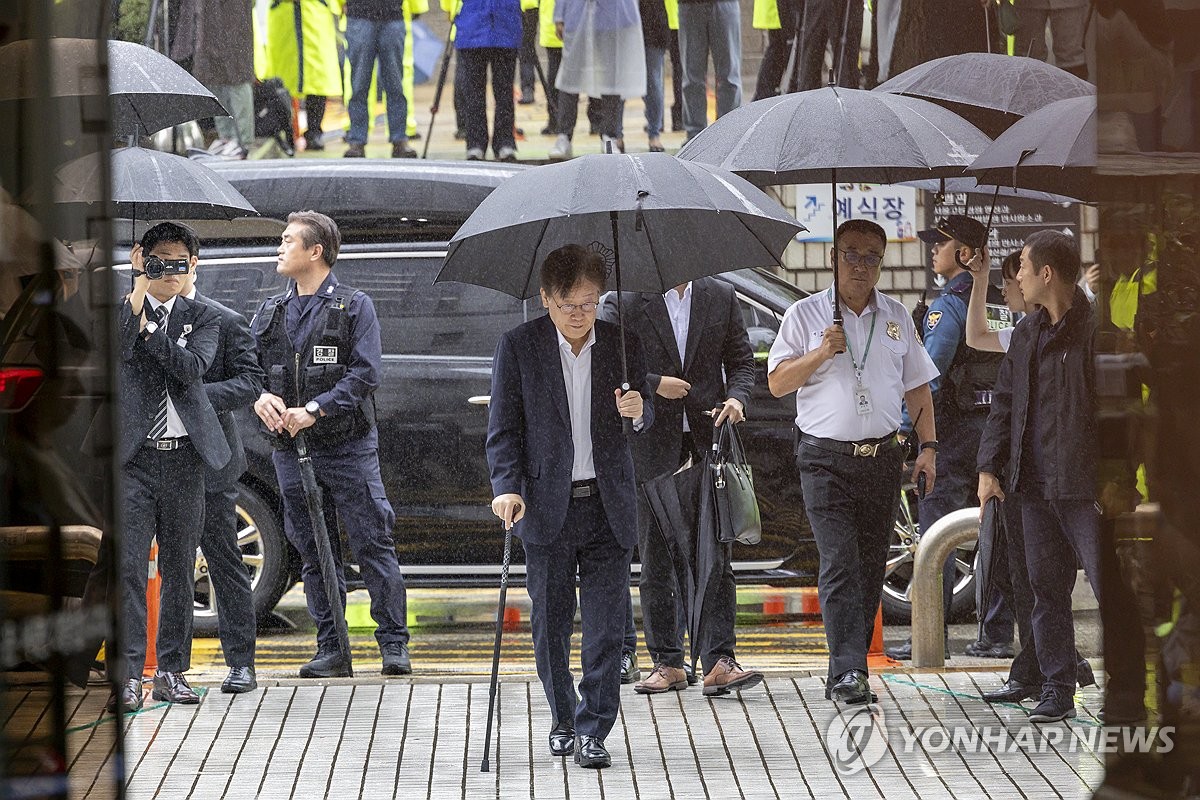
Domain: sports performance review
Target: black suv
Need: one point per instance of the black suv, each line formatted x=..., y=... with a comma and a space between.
x=438, y=341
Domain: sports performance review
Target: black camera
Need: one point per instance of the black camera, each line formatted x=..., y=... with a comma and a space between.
x=156, y=268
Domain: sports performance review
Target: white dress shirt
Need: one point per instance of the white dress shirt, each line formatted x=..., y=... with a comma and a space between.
x=896, y=363
x=174, y=423
x=577, y=376
x=679, y=309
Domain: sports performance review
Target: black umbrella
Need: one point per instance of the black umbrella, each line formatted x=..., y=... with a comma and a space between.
x=148, y=91
x=357, y=190
x=991, y=546
x=151, y=185
x=1051, y=150
x=665, y=221
x=833, y=134
x=990, y=90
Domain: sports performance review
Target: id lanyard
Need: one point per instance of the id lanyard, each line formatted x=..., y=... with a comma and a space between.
x=858, y=368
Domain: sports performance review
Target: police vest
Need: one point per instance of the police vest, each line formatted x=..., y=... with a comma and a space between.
x=971, y=378
x=313, y=368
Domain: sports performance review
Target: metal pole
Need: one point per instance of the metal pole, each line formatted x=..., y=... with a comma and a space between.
x=837, y=299
x=626, y=422
x=928, y=617
x=487, y=737
x=551, y=102
x=441, y=84
x=842, y=49
x=316, y=514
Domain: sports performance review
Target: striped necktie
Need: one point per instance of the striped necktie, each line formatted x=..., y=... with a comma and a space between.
x=160, y=418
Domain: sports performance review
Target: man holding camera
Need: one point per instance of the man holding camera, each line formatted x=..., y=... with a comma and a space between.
x=168, y=434
x=319, y=345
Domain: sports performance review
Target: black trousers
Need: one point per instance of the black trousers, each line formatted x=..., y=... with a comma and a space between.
x=473, y=64
x=528, y=53
x=780, y=43
x=676, y=83
x=609, y=111
x=821, y=25
x=163, y=496
x=588, y=547
x=230, y=582
x=851, y=504
x=1024, y=668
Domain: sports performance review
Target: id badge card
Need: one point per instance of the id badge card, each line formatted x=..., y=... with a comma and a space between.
x=862, y=402
x=182, y=342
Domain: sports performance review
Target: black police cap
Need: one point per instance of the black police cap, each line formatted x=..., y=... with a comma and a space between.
x=970, y=232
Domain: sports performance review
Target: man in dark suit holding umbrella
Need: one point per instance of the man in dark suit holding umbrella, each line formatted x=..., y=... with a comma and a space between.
x=700, y=361
x=234, y=381
x=561, y=467
x=169, y=434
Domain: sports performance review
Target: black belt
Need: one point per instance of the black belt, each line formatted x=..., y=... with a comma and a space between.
x=584, y=488
x=867, y=448
x=167, y=444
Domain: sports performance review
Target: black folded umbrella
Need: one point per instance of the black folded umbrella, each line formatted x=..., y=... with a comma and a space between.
x=991, y=545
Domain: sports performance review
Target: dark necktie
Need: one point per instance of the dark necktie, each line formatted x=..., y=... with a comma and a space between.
x=160, y=418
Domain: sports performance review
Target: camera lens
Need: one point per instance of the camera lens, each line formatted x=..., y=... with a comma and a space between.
x=155, y=267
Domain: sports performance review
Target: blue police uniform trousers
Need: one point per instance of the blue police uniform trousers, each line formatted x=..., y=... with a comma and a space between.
x=587, y=545
x=957, y=487
x=350, y=479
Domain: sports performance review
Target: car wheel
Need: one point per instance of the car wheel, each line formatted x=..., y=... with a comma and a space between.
x=897, y=579
x=264, y=555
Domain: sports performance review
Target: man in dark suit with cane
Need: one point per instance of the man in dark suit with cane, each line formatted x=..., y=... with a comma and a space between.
x=234, y=381
x=561, y=467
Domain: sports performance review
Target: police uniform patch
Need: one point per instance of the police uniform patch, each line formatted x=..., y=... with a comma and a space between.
x=893, y=330
x=933, y=319
x=324, y=355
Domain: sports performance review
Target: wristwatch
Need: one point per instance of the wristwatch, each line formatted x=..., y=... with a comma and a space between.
x=149, y=330
x=314, y=408
x=932, y=444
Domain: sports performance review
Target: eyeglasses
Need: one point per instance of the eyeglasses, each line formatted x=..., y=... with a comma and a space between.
x=571, y=308
x=869, y=260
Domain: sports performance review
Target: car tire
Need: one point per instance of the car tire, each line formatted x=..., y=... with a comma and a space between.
x=266, y=552
x=897, y=608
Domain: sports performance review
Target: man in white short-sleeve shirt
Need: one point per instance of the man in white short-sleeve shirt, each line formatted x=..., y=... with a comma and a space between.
x=850, y=382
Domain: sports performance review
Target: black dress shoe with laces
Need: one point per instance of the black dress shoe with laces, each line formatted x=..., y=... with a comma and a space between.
x=174, y=688
x=327, y=663
x=562, y=740
x=395, y=659
x=985, y=649
x=239, y=681
x=129, y=698
x=629, y=667
x=851, y=688
x=1012, y=692
x=590, y=752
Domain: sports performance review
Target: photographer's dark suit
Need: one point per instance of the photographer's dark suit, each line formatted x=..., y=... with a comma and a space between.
x=719, y=364
x=163, y=485
x=531, y=453
x=234, y=381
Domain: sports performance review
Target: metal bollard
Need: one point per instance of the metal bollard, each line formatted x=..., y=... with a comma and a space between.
x=928, y=617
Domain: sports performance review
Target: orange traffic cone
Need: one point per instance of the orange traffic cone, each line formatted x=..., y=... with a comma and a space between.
x=875, y=655
x=810, y=607
x=153, y=585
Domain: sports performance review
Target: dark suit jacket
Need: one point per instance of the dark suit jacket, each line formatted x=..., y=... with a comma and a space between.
x=234, y=381
x=146, y=362
x=529, y=444
x=716, y=339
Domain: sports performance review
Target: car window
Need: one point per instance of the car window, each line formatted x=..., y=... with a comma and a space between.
x=419, y=317
x=242, y=287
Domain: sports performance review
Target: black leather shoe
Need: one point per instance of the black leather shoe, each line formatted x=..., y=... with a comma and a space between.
x=562, y=740
x=326, y=664
x=691, y=673
x=851, y=688
x=173, y=687
x=395, y=659
x=591, y=753
x=1012, y=692
x=986, y=649
x=128, y=699
x=239, y=681
x=1053, y=709
x=629, y=667
x=903, y=652
x=1084, y=674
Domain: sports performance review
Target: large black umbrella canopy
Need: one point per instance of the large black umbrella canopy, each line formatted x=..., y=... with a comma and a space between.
x=1051, y=150
x=147, y=90
x=835, y=134
x=149, y=184
x=674, y=221
x=990, y=90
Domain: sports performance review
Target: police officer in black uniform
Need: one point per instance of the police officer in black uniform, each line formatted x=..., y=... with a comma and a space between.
x=961, y=401
x=319, y=345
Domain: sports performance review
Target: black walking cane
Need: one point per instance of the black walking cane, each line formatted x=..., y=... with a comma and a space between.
x=441, y=84
x=312, y=495
x=487, y=737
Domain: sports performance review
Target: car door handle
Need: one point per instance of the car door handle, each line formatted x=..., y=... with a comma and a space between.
x=480, y=399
